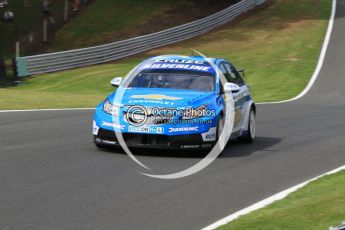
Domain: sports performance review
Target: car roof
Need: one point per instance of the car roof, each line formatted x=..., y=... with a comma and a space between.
x=194, y=58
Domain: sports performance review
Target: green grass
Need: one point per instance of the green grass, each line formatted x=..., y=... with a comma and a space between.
x=279, y=46
x=106, y=20
x=317, y=206
x=84, y=87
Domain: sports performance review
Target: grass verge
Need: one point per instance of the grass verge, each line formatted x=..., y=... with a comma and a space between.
x=317, y=206
x=279, y=46
x=109, y=21
x=102, y=20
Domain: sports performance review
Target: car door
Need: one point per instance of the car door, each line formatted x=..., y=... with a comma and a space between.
x=243, y=95
x=231, y=77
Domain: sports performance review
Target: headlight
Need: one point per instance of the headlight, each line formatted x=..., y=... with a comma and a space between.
x=191, y=113
x=111, y=109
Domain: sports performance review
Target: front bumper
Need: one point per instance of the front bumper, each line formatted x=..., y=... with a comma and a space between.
x=191, y=136
x=157, y=141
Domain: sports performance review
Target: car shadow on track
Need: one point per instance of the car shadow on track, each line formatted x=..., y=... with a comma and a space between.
x=239, y=149
x=233, y=149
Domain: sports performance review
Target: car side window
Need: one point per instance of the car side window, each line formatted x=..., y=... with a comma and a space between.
x=224, y=71
x=220, y=86
x=230, y=75
x=235, y=75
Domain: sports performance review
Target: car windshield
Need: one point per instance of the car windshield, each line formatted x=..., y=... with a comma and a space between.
x=174, y=80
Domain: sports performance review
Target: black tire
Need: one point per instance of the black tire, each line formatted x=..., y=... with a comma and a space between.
x=220, y=126
x=249, y=136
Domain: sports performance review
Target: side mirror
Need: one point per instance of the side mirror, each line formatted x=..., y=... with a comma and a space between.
x=116, y=81
x=231, y=88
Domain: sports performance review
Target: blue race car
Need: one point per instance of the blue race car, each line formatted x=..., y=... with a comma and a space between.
x=175, y=102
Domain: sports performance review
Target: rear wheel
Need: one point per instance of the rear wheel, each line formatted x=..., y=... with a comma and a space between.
x=250, y=134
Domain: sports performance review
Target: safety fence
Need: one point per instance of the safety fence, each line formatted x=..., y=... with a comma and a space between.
x=51, y=62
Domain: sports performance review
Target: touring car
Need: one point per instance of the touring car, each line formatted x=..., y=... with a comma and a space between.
x=175, y=102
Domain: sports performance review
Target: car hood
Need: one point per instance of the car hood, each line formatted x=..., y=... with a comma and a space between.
x=160, y=97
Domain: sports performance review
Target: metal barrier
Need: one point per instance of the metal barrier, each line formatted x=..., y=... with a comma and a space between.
x=51, y=62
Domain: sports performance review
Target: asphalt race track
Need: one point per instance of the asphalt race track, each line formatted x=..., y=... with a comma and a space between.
x=52, y=176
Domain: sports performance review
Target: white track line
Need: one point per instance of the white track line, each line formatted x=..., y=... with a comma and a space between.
x=283, y=194
x=320, y=62
x=267, y=201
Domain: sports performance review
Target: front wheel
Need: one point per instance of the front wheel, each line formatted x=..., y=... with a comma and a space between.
x=220, y=126
x=249, y=136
